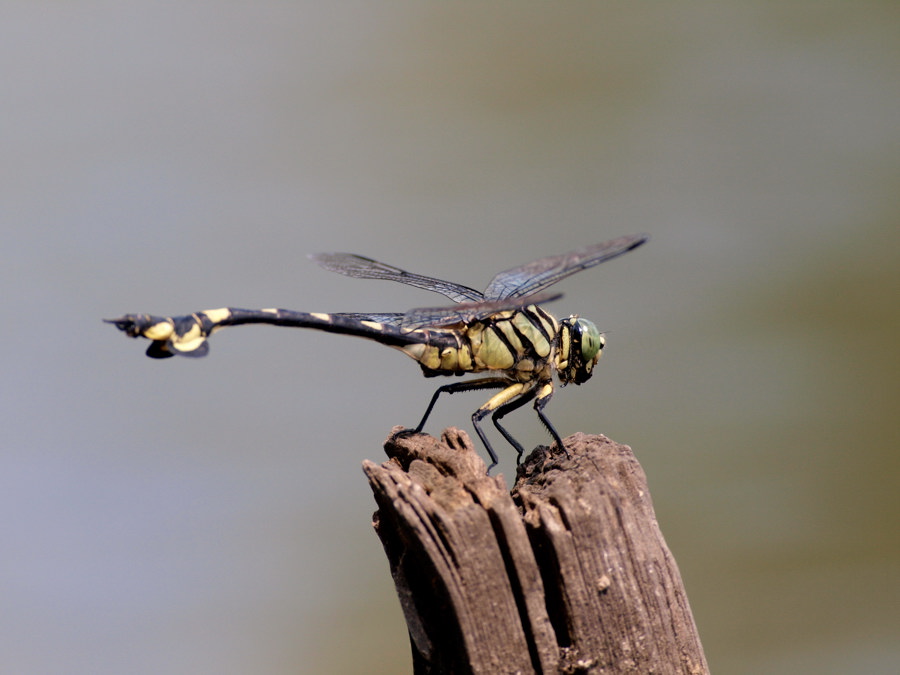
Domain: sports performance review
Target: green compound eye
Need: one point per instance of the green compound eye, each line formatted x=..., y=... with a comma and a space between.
x=591, y=339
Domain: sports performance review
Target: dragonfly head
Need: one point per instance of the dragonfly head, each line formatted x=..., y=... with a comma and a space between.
x=580, y=347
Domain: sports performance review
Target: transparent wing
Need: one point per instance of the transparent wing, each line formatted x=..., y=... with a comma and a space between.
x=467, y=312
x=389, y=319
x=535, y=276
x=351, y=265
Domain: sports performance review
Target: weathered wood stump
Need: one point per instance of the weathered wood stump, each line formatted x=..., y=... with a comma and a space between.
x=569, y=573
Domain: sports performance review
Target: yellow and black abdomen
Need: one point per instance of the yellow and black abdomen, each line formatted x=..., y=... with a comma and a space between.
x=516, y=342
x=187, y=335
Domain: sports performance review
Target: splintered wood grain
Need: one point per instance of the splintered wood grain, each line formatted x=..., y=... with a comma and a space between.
x=568, y=574
x=617, y=598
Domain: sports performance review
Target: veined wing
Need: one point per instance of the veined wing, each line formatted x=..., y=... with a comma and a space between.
x=535, y=276
x=389, y=319
x=468, y=312
x=357, y=266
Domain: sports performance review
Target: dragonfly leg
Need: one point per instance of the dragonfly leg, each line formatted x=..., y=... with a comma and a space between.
x=543, y=398
x=470, y=385
x=502, y=412
x=499, y=404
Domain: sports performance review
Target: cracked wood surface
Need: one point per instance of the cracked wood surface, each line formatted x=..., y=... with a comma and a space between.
x=568, y=573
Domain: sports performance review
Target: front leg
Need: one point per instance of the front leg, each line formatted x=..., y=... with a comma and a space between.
x=543, y=398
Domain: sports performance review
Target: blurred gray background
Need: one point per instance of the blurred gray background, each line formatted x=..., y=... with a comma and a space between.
x=210, y=516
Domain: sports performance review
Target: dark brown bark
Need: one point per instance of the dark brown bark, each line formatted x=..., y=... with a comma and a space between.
x=569, y=573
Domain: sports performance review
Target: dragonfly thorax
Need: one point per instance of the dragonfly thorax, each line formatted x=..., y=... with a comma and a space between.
x=519, y=344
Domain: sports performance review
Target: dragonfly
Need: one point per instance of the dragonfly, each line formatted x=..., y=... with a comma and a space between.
x=502, y=332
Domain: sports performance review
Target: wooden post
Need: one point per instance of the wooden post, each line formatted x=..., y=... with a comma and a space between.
x=569, y=573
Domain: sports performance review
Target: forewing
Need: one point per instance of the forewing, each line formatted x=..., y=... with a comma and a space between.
x=357, y=266
x=467, y=312
x=543, y=273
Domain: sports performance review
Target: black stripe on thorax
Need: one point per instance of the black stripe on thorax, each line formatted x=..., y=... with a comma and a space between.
x=528, y=347
x=535, y=315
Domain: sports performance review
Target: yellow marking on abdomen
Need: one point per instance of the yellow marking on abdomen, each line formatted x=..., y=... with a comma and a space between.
x=190, y=340
x=159, y=331
x=430, y=358
x=374, y=325
x=188, y=345
x=218, y=315
x=414, y=350
x=464, y=359
x=450, y=359
x=321, y=317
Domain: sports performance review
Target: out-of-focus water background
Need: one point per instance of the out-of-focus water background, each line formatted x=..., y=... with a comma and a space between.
x=210, y=516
